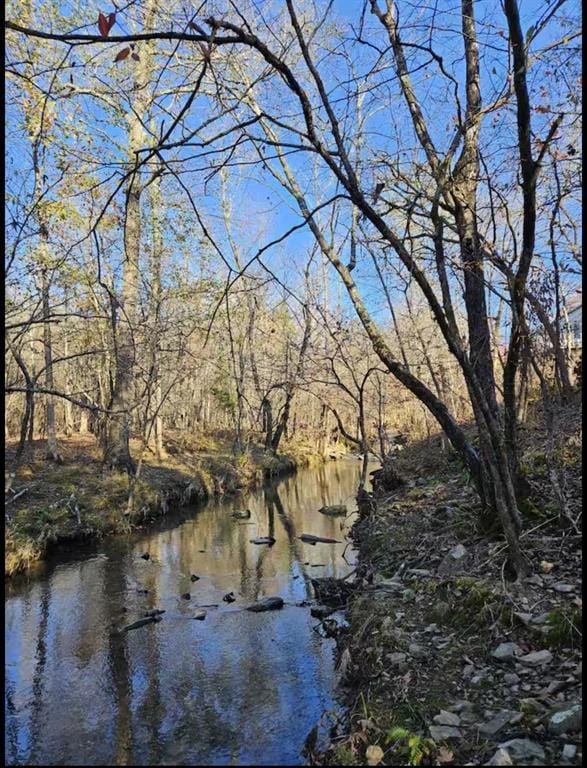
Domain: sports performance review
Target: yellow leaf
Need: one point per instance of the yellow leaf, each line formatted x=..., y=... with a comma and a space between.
x=374, y=755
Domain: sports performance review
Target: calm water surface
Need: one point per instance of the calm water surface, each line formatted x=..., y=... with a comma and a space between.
x=236, y=688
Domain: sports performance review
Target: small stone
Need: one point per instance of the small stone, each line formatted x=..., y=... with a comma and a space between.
x=516, y=718
x=458, y=552
x=468, y=671
x=569, y=752
x=501, y=757
x=396, y=658
x=416, y=651
x=566, y=720
x=266, y=604
x=521, y=750
x=561, y=587
x=537, y=658
x=445, y=732
x=496, y=723
x=476, y=679
x=510, y=678
x=506, y=651
x=408, y=595
x=460, y=706
x=419, y=572
x=446, y=718
x=535, y=579
x=542, y=618
x=554, y=687
x=199, y=615
x=524, y=618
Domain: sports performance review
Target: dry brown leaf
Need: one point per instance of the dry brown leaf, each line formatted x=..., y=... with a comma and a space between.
x=445, y=755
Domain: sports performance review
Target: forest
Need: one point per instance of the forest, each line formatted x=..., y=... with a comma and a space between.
x=293, y=328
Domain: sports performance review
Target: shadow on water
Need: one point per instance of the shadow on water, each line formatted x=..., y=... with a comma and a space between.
x=236, y=688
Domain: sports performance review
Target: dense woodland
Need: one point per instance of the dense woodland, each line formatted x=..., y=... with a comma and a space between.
x=292, y=221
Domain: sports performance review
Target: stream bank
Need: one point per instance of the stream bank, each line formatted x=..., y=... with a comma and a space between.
x=444, y=660
x=55, y=505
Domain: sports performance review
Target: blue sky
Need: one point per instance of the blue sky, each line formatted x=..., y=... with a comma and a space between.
x=263, y=210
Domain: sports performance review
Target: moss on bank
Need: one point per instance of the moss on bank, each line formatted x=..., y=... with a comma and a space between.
x=78, y=501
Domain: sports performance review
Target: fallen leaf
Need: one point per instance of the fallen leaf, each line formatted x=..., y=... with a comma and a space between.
x=445, y=755
x=374, y=755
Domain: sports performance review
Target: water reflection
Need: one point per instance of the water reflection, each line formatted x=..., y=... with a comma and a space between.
x=237, y=688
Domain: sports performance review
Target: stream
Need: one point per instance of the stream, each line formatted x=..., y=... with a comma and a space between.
x=237, y=688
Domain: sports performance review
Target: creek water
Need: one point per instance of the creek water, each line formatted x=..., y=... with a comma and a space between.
x=238, y=688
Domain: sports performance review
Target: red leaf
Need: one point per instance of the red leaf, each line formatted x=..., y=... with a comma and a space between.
x=121, y=55
x=103, y=25
x=111, y=20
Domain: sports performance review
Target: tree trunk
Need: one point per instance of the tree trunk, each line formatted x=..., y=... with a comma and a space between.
x=117, y=454
x=52, y=449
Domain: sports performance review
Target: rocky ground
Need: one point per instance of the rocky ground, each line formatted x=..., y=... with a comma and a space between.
x=445, y=661
x=49, y=505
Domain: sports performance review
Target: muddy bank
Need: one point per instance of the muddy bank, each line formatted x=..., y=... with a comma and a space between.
x=51, y=506
x=444, y=660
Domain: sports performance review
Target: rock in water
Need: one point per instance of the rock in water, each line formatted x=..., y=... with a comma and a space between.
x=311, y=539
x=267, y=604
x=193, y=577
x=199, y=615
x=186, y=596
x=141, y=623
x=153, y=612
x=229, y=597
x=263, y=540
x=241, y=515
x=146, y=556
x=336, y=510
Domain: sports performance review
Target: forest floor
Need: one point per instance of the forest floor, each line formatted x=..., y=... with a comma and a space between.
x=54, y=504
x=444, y=661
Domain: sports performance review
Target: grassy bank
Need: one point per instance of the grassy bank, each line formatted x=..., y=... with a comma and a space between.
x=426, y=674
x=78, y=501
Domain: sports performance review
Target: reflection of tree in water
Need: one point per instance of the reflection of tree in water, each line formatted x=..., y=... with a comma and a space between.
x=274, y=502
x=114, y=585
x=225, y=687
x=11, y=755
x=38, y=677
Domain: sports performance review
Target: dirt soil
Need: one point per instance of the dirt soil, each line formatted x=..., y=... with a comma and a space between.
x=444, y=661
